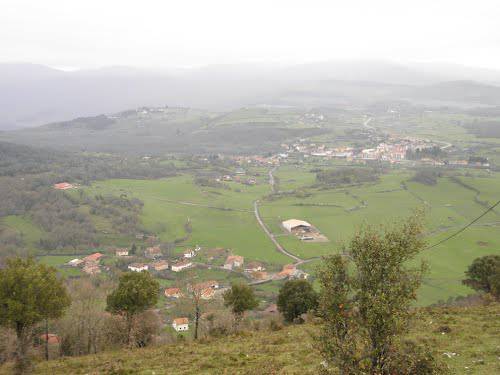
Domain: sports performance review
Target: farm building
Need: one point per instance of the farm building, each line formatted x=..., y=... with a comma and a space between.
x=207, y=293
x=93, y=257
x=288, y=270
x=173, y=293
x=294, y=225
x=63, y=186
x=91, y=268
x=121, y=252
x=160, y=265
x=152, y=252
x=233, y=261
x=180, y=324
x=254, y=267
x=259, y=275
x=75, y=262
x=138, y=267
x=213, y=284
x=181, y=266
x=303, y=230
x=189, y=253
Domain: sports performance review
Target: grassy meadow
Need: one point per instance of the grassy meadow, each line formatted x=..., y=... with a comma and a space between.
x=469, y=346
x=223, y=217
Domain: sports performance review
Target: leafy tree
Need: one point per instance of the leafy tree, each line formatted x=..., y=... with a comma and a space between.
x=295, y=298
x=29, y=293
x=133, y=249
x=136, y=293
x=484, y=275
x=365, y=300
x=240, y=298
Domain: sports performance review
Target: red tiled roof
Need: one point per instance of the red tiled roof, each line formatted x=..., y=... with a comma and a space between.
x=170, y=292
x=50, y=338
x=62, y=186
x=179, y=321
x=234, y=258
x=93, y=257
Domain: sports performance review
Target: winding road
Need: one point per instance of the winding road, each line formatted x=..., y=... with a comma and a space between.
x=297, y=261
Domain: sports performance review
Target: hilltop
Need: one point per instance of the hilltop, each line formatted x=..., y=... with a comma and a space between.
x=465, y=338
x=34, y=94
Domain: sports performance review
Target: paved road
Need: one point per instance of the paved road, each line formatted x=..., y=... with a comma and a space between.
x=278, y=246
x=297, y=261
x=366, y=122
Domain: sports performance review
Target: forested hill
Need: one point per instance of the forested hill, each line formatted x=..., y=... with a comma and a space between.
x=21, y=159
x=160, y=130
x=55, y=166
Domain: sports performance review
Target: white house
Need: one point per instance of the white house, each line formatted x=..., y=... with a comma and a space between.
x=189, y=253
x=121, y=252
x=180, y=324
x=233, y=261
x=75, y=262
x=181, y=266
x=254, y=267
x=138, y=267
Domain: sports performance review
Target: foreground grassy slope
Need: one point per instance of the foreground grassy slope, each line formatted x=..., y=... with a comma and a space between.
x=470, y=347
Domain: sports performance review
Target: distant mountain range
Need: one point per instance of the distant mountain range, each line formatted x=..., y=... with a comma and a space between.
x=33, y=95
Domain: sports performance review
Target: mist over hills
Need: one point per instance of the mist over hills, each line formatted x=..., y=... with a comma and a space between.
x=33, y=95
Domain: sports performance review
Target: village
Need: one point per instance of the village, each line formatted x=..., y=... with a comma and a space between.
x=153, y=260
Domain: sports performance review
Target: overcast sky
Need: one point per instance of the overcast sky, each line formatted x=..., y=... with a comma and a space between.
x=182, y=33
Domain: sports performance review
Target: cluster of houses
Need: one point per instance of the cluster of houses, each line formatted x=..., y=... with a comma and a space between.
x=90, y=264
x=290, y=271
x=233, y=261
x=393, y=150
x=154, y=253
x=205, y=290
x=237, y=178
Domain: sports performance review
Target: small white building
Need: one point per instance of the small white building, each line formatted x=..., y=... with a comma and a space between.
x=75, y=262
x=189, y=253
x=181, y=324
x=181, y=266
x=138, y=267
x=121, y=252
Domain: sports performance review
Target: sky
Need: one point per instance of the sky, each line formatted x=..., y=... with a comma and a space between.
x=188, y=33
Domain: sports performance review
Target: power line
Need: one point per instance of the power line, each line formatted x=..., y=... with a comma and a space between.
x=464, y=228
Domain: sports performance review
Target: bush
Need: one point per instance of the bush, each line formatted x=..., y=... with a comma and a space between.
x=346, y=176
x=426, y=177
x=484, y=275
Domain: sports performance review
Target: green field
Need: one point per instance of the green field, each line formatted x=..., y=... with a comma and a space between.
x=58, y=262
x=224, y=217
x=29, y=232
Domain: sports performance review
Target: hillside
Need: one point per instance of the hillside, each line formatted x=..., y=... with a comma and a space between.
x=466, y=339
x=160, y=130
x=33, y=94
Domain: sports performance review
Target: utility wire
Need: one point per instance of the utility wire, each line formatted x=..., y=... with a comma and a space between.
x=464, y=228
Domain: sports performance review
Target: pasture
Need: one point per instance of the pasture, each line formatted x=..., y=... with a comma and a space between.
x=224, y=217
